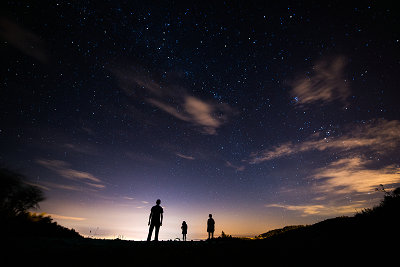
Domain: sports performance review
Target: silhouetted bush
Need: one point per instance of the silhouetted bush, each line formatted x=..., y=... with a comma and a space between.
x=224, y=236
x=388, y=207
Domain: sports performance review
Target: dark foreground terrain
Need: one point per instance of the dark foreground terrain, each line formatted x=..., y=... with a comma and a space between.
x=370, y=237
x=293, y=249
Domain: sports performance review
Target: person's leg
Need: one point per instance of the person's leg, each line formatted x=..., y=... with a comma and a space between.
x=212, y=234
x=150, y=232
x=156, y=232
x=209, y=234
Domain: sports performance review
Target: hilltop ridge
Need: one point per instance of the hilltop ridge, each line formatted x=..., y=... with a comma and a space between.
x=372, y=225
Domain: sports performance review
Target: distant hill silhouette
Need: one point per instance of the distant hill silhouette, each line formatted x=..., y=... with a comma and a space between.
x=279, y=231
x=375, y=224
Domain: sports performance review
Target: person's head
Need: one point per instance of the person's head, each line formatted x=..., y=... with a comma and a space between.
x=183, y=222
x=158, y=202
x=210, y=215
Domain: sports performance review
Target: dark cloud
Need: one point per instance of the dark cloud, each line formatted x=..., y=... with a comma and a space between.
x=26, y=41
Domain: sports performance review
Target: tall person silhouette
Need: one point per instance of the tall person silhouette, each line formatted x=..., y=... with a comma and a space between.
x=210, y=226
x=184, y=228
x=155, y=220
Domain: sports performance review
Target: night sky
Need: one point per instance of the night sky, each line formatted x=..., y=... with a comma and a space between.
x=264, y=115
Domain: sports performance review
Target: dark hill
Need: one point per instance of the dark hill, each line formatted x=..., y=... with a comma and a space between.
x=377, y=225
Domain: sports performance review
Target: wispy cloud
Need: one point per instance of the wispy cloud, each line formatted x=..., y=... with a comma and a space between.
x=210, y=116
x=185, y=156
x=320, y=209
x=46, y=188
x=206, y=116
x=325, y=84
x=63, y=169
x=353, y=175
x=236, y=168
x=62, y=217
x=83, y=149
x=25, y=40
x=51, y=185
x=343, y=187
x=99, y=186
x=379, y=136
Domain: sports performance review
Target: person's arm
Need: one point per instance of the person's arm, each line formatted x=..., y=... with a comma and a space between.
x=151, y=214
x=161, y=219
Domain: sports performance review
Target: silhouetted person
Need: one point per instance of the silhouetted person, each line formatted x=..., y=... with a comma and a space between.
x=155, y=220
x=184, y=228
x=210, y=226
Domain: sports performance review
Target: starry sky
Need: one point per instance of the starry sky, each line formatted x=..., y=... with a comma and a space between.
x=263, y=114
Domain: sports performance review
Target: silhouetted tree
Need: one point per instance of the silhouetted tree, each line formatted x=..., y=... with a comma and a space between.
x=16, y=196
